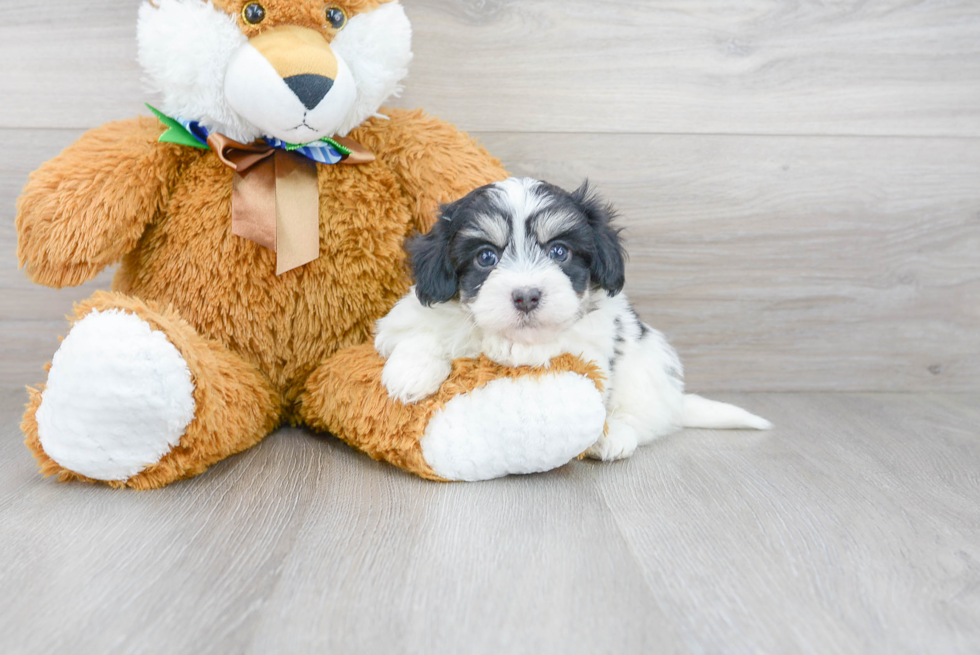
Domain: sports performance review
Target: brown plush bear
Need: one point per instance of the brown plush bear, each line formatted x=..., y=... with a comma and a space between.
x=260, y=222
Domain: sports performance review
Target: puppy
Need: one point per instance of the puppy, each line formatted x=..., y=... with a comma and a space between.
x=522, y=271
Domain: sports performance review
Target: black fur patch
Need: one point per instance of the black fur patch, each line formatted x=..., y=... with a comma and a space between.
x=435, y=278
x=444, y=259
x=643, y=326
x=619, y=339
x=439, y=256
x=608, y=266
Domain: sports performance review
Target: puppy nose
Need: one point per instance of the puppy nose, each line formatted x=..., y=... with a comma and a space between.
x=526, y=300
x=310, y=89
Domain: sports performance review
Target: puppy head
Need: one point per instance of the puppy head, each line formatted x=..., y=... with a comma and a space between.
x=522, y=256
x=297, y=70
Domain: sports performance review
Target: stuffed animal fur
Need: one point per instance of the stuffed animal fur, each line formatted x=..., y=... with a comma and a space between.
x=204, y=346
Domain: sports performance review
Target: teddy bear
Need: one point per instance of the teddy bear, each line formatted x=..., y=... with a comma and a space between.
x=258, y=220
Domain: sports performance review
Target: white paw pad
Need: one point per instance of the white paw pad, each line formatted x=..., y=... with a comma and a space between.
x=411, y=376
x=619, y=442
x=513, y=426
x=119, y=396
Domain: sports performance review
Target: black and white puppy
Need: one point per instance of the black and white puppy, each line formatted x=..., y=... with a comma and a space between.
x=522, y=271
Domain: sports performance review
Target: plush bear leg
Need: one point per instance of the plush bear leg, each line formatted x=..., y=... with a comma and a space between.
x=485, y=422
x=136, y=397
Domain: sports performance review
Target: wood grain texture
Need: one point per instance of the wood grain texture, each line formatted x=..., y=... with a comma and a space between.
x=784, y=264
x=778, y=263
x=857, y=506
x=69, y=64
x=853, y=527
x=906, y=67
x=703, y=66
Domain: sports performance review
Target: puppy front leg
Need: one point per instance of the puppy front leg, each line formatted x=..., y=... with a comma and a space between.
x=415, y=369
x=646, y=398
x=619, y=441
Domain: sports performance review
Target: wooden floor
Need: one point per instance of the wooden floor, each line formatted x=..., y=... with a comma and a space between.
x=800, y=182
x=854, y=527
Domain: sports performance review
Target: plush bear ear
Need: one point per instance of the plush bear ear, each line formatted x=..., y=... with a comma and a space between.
x=435, y=276
x=609, y=261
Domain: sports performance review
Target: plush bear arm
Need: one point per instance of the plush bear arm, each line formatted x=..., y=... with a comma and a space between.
x=435, y=162
x=86, y=208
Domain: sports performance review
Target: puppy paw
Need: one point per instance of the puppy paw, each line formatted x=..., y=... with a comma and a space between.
x=410, y=376
x=619, y=442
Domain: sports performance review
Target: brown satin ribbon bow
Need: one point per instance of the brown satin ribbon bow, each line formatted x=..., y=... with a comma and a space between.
x=275, y=197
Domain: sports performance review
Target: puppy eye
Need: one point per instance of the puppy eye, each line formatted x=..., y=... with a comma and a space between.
x=487, y=258
x=253, y=13
x=336, y=17
x=559, y=253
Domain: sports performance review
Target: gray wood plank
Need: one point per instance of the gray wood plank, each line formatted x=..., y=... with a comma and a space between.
x=772, y=263
x=859, y=513
x=69, y=64
x=780, y=263
x=853, y=527
x=909, y=67
x=357, y=555
x=517, y=566
x=681, y=66
x=132, y=572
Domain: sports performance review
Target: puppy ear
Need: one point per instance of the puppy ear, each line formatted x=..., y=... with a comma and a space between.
x=435, y=277
x=609, y=261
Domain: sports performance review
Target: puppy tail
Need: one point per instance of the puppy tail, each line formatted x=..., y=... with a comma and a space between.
x=703, y=413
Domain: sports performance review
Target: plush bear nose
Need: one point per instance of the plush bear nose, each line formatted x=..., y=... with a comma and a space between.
x=310, y=89
x=526, y=300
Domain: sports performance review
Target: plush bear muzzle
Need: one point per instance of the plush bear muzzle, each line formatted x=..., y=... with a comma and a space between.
x=290, y=82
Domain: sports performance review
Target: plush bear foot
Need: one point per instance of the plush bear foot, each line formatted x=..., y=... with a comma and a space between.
x=486, y=421
x=119, y=396
x=136, y=397
x=508, y=426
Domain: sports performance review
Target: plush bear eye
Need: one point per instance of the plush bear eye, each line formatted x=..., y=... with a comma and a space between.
x=487, y=258
x=336, y=17
x=253, y=13
x=559, y=253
